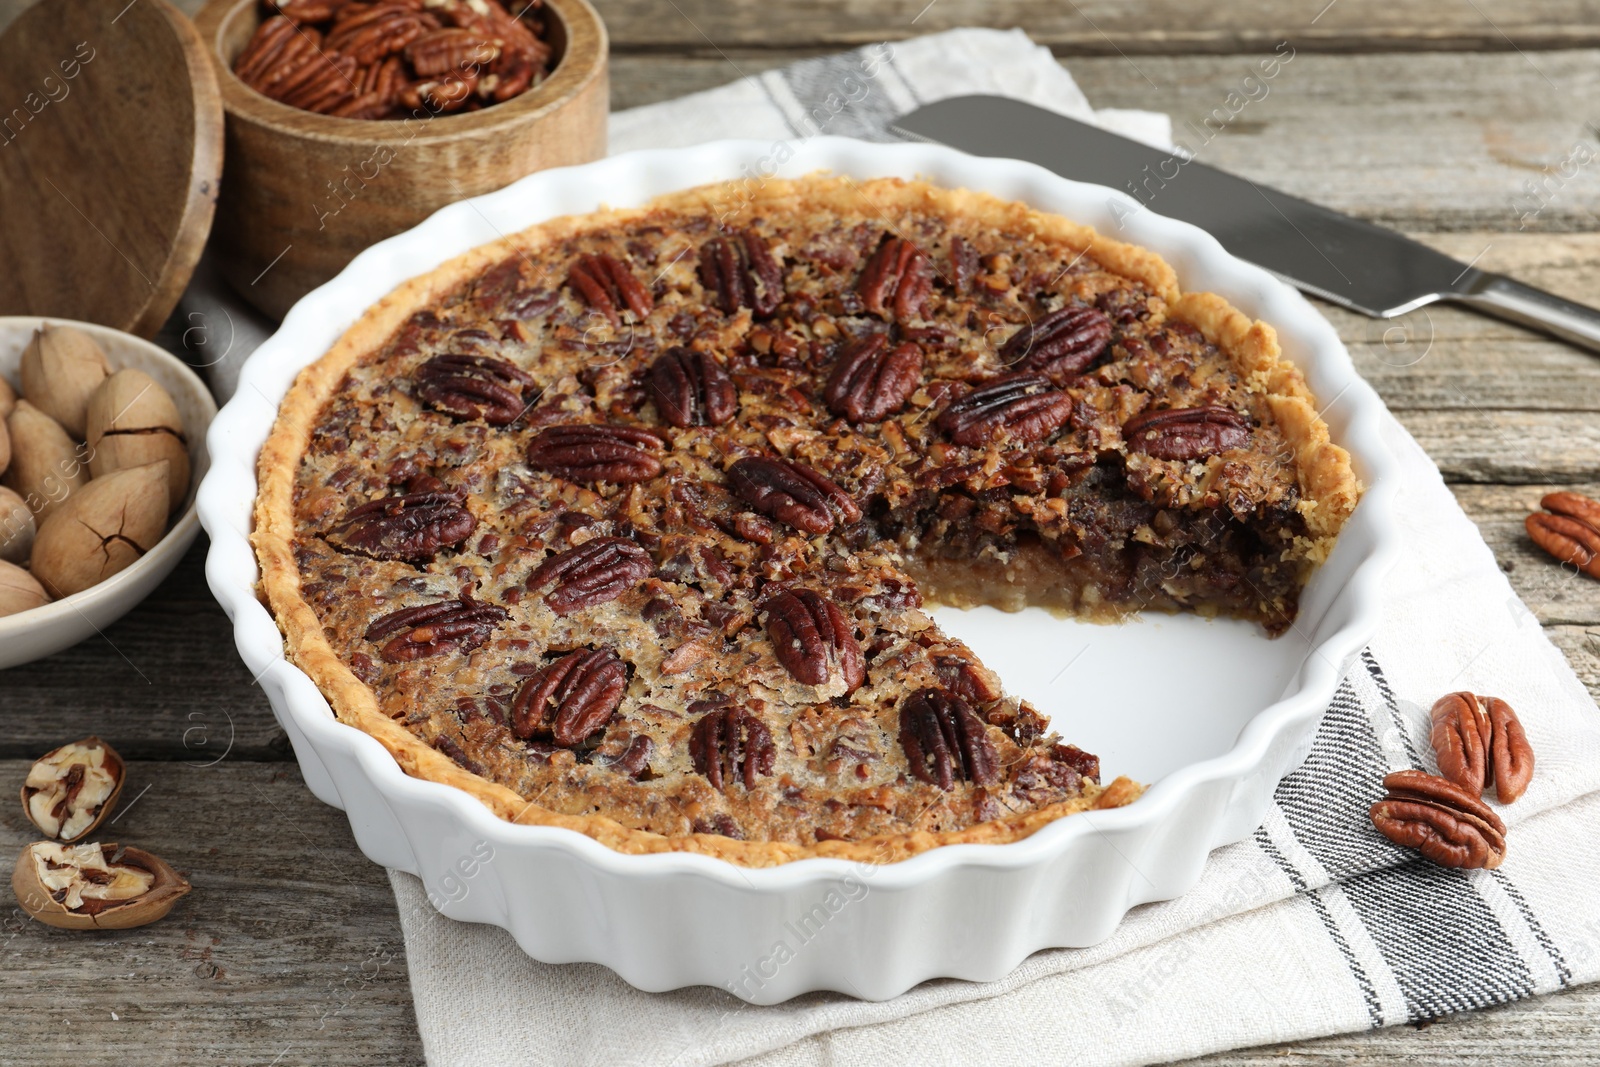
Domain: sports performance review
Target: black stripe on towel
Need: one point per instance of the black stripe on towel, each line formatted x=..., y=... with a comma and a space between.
x=1447, y=950
x=1326, y=798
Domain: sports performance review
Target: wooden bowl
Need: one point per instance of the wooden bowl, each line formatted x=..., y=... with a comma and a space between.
x=303, y=193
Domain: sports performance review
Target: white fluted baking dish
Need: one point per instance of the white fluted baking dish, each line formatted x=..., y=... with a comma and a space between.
x=1227, y=715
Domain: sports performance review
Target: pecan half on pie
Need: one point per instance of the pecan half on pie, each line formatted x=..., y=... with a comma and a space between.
x=626, y=524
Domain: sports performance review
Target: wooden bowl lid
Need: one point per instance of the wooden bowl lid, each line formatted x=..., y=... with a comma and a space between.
x=110, y=161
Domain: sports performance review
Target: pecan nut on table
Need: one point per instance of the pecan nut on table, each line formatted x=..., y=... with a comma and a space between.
x=1569, y=529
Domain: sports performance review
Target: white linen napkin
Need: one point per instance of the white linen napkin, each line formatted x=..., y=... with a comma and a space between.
x=1314, y=926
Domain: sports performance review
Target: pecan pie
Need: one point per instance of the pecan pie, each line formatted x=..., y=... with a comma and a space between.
x=626, y=523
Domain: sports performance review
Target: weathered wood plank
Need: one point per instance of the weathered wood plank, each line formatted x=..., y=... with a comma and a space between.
x=1093, y=27
x=1489, y=445
x=289, y=945
x=163, y=682
x=1424, y=142
x=1581, y=646
x=1109, y=27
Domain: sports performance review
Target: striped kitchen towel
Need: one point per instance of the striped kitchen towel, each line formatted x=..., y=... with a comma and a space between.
x=1313, y=926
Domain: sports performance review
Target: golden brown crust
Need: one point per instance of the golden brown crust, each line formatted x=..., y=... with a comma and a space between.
x=1328, y=486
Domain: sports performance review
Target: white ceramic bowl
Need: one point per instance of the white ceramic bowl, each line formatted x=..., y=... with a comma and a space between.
x=31, y=635
x=1223, y=715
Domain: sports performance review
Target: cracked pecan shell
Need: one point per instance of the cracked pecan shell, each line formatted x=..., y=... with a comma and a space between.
x=740, y=270
x=1439, y=819
x=1061, y=345
x=589, y=452
x=410, y=526
x=609, y=287
x=692, y=388
x=945, y=741
x=812, y=638
x=571, y=697
x=792, y=492
x=474, y=387
x=731, y=745
x=1479, y=742
x=430, y=629
x=1186, y=433
x=1023, y=406
x=872, y=380
x=897, y=280
x=597, y=571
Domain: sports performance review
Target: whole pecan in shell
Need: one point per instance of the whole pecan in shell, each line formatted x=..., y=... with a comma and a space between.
x=1186, y=433
x=692, y=388
x=589, y=452
x=742, y=272
x=1480, y=742
x=410, y=526
x=1021, y=405
x=897, y=280
x=1439, y=819
x=608, y=286
x=944, y=740
x=597, y=571
x=570, y=697
x=812, y=638
x=731, y=745
x=1571, y=533
x=1062, y=344
x=792, y=492
x=474, y=387
x=871, y=380
x=430, y=629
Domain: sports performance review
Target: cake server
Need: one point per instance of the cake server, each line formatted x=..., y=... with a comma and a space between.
x=1355, y=264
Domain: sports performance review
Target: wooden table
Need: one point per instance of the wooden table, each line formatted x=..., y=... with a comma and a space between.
x=1426, y=116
